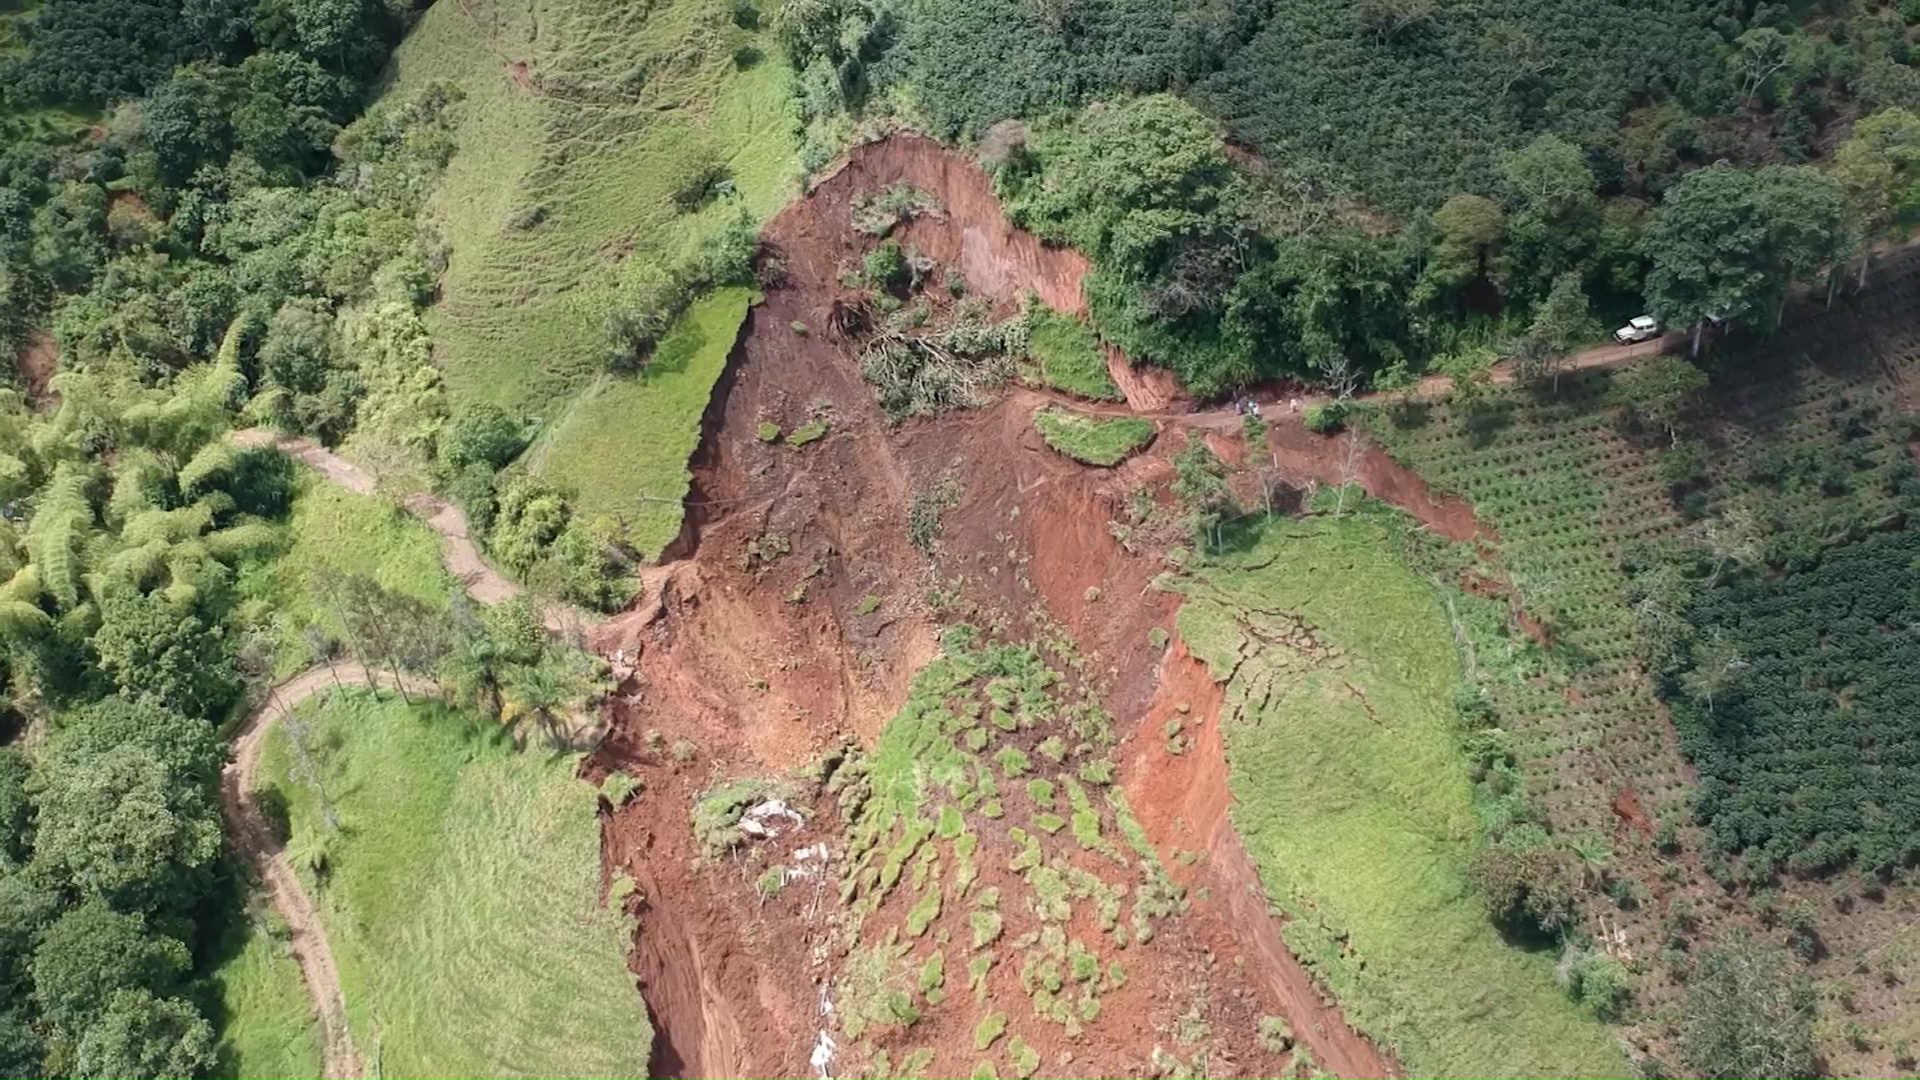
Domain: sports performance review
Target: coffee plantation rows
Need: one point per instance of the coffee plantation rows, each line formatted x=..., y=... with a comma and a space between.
x=1782, y=490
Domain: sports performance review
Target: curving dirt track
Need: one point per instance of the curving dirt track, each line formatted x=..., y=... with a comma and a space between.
x=253, y=838
x=248, y=828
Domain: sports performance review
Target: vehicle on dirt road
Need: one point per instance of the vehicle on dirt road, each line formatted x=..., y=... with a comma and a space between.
x=1640, y=328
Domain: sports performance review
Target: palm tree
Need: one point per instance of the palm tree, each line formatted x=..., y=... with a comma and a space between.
x=1594, y=855
x=471, y=672
x=540, y=692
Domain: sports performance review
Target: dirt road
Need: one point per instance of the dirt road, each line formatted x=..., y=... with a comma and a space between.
x=254, y=839
x=461, y=554
x=248, y=828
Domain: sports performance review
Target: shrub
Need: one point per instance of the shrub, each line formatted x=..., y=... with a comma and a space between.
x=619, y=788
x=1326, y=419
x=885, y=268
x=1748, y=1011
x=481, y=434
x=1596, y=980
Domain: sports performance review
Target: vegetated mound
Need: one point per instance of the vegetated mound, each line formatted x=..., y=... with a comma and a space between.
x=815, y=576
x=1093, y=440
x=1707, y=555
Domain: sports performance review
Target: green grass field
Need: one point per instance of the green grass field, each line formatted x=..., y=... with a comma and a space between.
x=623, y=445
x=462, y=894
x=1091, y=440
x=336, y=529
x=567, y=168
x=1353, y=798
x=269, y=1029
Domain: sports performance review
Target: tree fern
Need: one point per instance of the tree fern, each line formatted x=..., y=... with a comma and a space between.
x=140, y=481
x=58, y=531
x=213, y=463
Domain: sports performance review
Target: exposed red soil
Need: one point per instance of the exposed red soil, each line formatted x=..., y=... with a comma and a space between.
x=1626, y=807
x=760, y=649
x=1302, y=456
x=1183, y=802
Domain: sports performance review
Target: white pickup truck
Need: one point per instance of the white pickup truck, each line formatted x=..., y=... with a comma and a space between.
x=1640, y=328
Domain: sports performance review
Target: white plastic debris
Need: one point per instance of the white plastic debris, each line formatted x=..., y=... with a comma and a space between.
x=769, y=819
x=822, y=1058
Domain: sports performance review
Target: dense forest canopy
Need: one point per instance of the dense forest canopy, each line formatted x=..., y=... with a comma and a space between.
x=1411, y=178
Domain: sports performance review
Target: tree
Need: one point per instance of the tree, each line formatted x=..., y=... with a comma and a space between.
x=1804, y=209
x=541, y=692
x=143, y=1037
x=16, y=809
x=1878, y=170
x=1758, y=55
x=125, y=801
x=148, y=645
x=1200, y=482
x=1468, y=230
x=473, y=670
x=1658, y=391
x=1129, y=184
x=1525, y=881
x=387, y=625
x=1562, y=322
x=93, y=952
x=482, y=433
x=123, y=826
x=1748, y=1011
x=1549, y=177
x=1385, y=20
x=1728, y=242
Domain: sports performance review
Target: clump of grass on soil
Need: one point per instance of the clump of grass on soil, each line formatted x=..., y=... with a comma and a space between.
x=1067, y=356
x=462, y=897
x=1092, y=440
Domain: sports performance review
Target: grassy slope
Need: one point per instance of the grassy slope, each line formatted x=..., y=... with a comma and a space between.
x=1361, y=822
x=331, y=528
x=269, y=1028
x=625, y=95
x=637, y=471
x=462, y=900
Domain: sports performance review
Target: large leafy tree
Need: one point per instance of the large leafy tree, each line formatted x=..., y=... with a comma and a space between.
x=144, y=1037
x=93, y=952
x=126, y=805
x=1728, y=242
x=150, y=646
